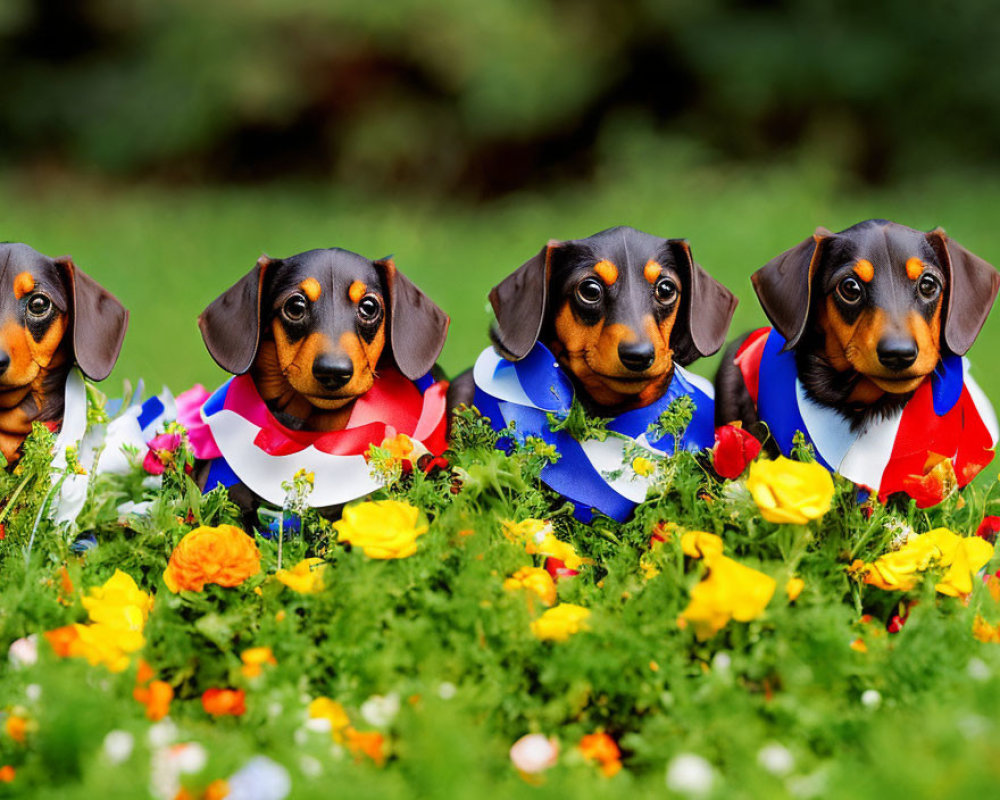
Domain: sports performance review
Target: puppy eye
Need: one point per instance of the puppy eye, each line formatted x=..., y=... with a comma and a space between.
x=590, y=291
x=928, y=286
x=295, y=308
x=666, y=291
x=850, y=290
x=369, y=308
x=39, y=305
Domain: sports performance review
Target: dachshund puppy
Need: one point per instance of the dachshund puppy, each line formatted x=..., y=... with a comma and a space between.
x=333, y=353
x=865, y=358
x=609, y=320
x=52, y=315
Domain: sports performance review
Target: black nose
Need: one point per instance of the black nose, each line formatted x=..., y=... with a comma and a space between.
x=896, y=352
x=4, y=362
x=637, y=357
x=332, y=372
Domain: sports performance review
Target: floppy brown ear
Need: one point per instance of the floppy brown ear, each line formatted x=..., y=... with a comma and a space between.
x=99, y=322
x=519, y=305
x=784, y=286
x=972, y=287
x=230, y=325
x=417, y=327
x=706, y=311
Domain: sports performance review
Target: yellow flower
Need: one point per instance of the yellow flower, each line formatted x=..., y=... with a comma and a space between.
x=535, y=580
x=109, y=645
x=118, y=602
x=325, y=708
x=224, y=555
x=790, y=491
x=901, y=569
x=539, y=538
x=794, y=588
x=559, y=623
x=643, y=466
x=254, y=660
x=381, y=528
x=306, y=577
x=985, y=632
x=699, y=544
x=729, y=591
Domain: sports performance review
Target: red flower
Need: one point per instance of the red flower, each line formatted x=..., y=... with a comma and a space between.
x=989, y=528
x=734, y=449
x=162, y=452
x=224, y=702
x=558, y=569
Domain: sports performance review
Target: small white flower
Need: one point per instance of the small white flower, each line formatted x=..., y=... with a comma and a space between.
x=33, y=692
x=447, y=690
x=690, y=774
x=978, y=670
x=260, y=779
x=871, y=698
x=319, y=724
x=534, y=753
x=118, y=746
x=380, y=711
x=162, y=733
x=776, y=759
x=301, y=736
x=153, y=482
x=311, y=767
x=722, y=662
x=24, y=652
x=275, y=710
x=190, y=757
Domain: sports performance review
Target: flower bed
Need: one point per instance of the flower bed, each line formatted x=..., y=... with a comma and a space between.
x=461, y=634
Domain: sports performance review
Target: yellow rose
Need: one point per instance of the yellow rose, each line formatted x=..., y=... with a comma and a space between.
x=730, y=590
x=699, y=544
x=559, y=623
x=224, y=555
x=381, y=528
x=306, y=577
x=535, y=580
x=118, y=602
x=900, y=570
x=790, y=491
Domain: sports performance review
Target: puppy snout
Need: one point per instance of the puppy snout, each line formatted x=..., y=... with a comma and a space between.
x=637, y=356
x=896, y=352
x=332, y=372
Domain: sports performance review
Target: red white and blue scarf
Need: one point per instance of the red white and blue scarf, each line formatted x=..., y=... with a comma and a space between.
x=593, y=474
x=234, y=429
x=948, y=417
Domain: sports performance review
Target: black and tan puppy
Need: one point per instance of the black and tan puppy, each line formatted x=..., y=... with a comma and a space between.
x=330, y=348
x=618, y=310
x=52, y=315
x=866, y=323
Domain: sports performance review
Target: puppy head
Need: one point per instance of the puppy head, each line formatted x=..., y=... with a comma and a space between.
x=41, y=299
x=884, y=299
x=617, y=308
x=323, y=321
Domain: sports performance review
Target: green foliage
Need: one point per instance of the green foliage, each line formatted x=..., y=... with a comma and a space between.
x=439, y=630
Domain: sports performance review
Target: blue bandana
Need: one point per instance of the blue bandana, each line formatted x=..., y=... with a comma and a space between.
x=525, y=392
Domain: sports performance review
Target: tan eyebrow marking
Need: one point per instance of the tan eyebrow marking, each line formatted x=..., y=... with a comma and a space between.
x=914, y=268
x=864, y=269
x=357, y=291
x=651, y=271
x=606, y=271
x=311, y=288
x=24, y=282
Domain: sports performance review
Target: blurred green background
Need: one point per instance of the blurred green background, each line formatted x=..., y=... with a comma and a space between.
x=166, y=145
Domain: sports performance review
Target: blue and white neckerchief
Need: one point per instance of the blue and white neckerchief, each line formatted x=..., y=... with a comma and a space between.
x=593, y=474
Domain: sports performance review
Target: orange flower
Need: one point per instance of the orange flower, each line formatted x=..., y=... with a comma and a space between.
x=156, y=697
x=224, y=702
x=369, y=743
x=985, y=632
x=601, y=748
x=216, y=790
x=16, y=728
x=254, y=660
x=224, y=555
x=7, y=773
x=62, y=640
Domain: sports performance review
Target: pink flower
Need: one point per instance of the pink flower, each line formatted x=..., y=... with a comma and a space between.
x=162, y=452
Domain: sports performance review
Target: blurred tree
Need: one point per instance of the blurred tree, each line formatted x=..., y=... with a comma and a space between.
x=489, y=96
